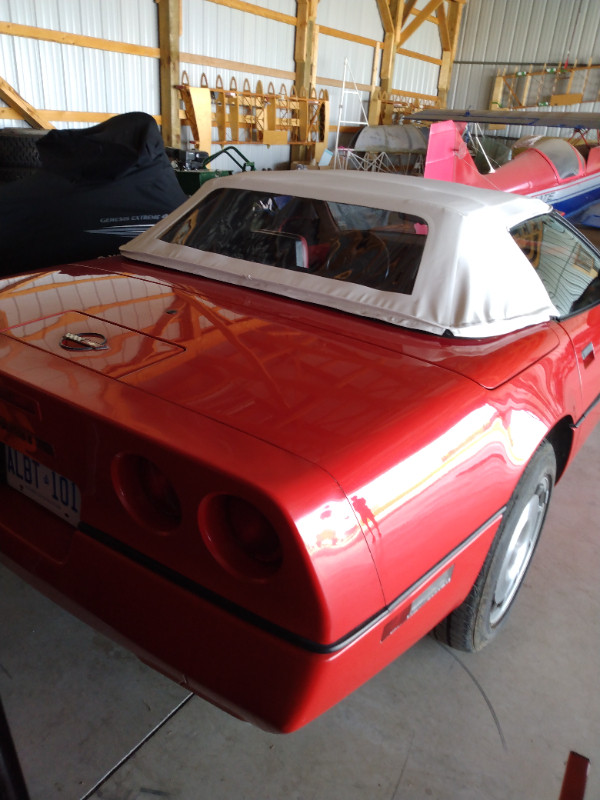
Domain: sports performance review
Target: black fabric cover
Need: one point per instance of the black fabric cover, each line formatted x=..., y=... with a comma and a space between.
x=97, y=189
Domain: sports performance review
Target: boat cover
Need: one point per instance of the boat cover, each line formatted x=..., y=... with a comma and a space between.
x=97, y=189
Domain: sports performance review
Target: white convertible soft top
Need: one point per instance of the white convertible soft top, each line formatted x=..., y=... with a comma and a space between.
x=473, y=281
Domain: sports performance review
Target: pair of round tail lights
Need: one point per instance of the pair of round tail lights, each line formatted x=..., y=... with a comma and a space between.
x=236, y=533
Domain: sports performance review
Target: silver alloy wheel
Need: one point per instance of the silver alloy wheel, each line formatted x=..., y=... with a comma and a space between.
x=520, y=550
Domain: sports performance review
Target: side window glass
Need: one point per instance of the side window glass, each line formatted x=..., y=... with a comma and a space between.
x=567, y=267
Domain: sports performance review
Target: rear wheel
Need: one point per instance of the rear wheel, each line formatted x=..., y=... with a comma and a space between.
x=478, y=619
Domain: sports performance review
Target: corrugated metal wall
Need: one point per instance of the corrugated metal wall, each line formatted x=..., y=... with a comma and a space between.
x=231, y=35
x=237, y=36
x=507, y=35
x=64, y=77
x=362, y=19
x=67, y=77
x=340, y=58
x=71, y=78
x=495, y=35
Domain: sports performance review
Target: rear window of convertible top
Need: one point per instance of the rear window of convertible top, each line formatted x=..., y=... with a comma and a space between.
x=372, y=247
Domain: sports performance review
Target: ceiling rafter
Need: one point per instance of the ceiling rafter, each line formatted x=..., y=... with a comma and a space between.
x=386, y=16
x=397, y=8
x=394, y=16
x=24, y=109
x=443, y=26
x=408, y=7
x=421, y=17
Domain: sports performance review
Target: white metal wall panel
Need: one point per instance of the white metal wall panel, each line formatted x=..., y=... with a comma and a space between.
x=334, y=56
x=495, y=35
x=70, y=78
x=425, y=40
x=281, y=6
x=360, y=17
x=132, y=21
x=363, y=19
x=415, y=76
x=412, y=74
x=333, y=53
x=21, y=12
x=232, y=35
x=502, y=37
x=8, y=62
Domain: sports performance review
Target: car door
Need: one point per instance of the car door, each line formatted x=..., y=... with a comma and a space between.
x=569, y=267
x=583, y=329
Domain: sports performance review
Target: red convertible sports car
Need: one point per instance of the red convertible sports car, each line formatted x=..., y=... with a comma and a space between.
x=301, y=422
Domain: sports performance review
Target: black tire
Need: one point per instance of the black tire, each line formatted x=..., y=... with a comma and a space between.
x=18, y=148
x=478, y=619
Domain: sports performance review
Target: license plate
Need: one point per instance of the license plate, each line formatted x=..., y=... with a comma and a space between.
x=49, y=489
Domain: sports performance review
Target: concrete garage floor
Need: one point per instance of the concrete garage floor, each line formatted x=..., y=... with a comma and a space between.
x=90, y=721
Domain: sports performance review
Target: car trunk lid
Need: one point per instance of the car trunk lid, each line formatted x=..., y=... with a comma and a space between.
x=312, y=383
x=95, y=343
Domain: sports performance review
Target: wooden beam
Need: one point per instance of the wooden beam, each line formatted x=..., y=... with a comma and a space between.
x=57, y=115
x=375, y=68
x=390, y=44
x=94, y=43
x=305, y=51
x=259, y=11
x=419, y=19
x=387, y=61
x=418, y=56
x=408, y=10
x=386, y=16
x=305, y=56
x=449, y=26
x=444, y=31
x=454, y=17
x=444, y=78
x=349, y=37
x=169, y=27
x=394, y=15
x=398, y=7
x=222, y=63
x=364, y=87
x=24, y=109
x=47, y=35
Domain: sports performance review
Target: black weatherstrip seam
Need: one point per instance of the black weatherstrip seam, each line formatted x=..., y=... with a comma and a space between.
x=266, y=625
x=588, y=411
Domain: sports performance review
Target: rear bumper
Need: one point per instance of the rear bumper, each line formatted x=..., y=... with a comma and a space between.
x=258, y=673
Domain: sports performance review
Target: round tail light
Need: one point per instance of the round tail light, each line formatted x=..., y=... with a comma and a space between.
x=146, y=492
x=239, y=536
